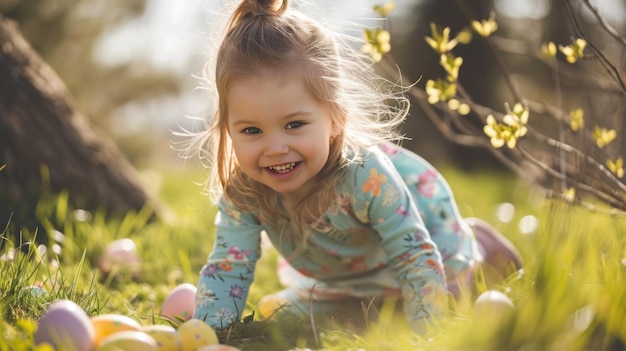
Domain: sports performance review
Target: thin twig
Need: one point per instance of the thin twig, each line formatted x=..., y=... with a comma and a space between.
x=611, y=69
x=607, y=198
x=607, y=27
x=505, y=71
x=614, y=212
x=312, y=319
x=590, y=160
x=558, y=103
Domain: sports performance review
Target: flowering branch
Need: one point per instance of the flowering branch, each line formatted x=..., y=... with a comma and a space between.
x=581, y=164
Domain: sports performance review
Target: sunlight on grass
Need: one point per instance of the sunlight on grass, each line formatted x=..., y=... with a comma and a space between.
x=569, y=296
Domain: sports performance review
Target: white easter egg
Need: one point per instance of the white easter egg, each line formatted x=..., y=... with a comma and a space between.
x=167, y=337
x=195, y=333
x=66, y=326
x=128, y=340
x=493, y=306
x=180, y=303
x=120, y=254
x=107, y=324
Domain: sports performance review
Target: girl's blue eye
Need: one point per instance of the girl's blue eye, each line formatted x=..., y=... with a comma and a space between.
x=294, y=125
x=251, y=130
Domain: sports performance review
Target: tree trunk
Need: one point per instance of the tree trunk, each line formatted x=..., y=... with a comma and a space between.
x=46, y=145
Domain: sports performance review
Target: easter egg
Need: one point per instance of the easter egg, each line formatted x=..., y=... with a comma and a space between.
x=166, y=337
x=66, y=326
x=120, y=254
x=107, y=324
x=36, y=290
x=128, y=340
x=492, y=306
x=180, y=303
x=218, y=347
x=270, y=304
x=196, y=333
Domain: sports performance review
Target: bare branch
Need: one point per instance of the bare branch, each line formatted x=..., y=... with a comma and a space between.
x=607, y=27
x=611, y=69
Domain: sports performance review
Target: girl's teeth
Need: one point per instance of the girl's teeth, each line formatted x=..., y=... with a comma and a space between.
x=283, y=168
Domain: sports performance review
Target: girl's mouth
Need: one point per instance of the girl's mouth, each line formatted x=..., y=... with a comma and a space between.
x=284, y=168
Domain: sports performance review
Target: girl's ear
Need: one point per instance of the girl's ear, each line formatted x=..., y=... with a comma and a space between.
x=336, y=129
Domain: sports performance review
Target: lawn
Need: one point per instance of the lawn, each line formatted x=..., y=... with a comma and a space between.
x=570, y=296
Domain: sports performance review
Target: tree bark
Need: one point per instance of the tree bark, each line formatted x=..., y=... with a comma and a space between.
x=47, y=145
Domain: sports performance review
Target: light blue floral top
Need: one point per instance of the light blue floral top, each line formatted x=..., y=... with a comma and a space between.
x=394, y=216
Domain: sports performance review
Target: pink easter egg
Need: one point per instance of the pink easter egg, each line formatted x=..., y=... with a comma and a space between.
x=66, y=326
x=120, y=254
x=180, y=303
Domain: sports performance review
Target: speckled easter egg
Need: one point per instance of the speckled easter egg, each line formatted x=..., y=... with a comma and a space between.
x=120, y=254
x=128, y=340
x=195, y=334
x=166, y=337
x=107, y=324
x=66, y=326
x=218, y=347
x=180, y=303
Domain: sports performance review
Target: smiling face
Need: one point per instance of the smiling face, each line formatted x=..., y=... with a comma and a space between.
x=280, y=133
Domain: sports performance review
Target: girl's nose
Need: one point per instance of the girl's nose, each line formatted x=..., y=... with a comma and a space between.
x=276, y=146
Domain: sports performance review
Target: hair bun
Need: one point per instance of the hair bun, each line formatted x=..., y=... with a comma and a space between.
x=248, y=9
x=267, y=7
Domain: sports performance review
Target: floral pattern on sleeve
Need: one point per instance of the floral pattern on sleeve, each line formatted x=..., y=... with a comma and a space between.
x=225, y=279
x=386, y=202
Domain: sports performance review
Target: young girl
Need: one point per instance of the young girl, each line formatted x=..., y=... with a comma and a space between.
x=300, y=148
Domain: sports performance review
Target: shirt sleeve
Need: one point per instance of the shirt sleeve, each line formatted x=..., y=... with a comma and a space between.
x=225, y=279
x=383, y=200
x=439, y=211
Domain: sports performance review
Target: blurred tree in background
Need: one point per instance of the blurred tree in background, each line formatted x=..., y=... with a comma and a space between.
x=64, y=33
x=50, y=147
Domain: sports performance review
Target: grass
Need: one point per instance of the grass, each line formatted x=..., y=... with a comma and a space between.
x=569, y=297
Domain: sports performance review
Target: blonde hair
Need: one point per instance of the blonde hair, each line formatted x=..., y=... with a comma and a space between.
x=366, y=109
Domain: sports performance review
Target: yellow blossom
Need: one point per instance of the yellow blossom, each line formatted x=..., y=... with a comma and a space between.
x=376, y=43
x=486, y=27
x=574, y=51
x=384, y=10
x=513, y=128
x=456, y=105
x=464, y=36
x=439, y=90
x=464, y=109
x=616, y=167
x=603, y=136
x=577, y=120
x=570, y=194
x=494, y=132
x=548, y=49
x=440, y=40
x=517, y=118
x=452, y=65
